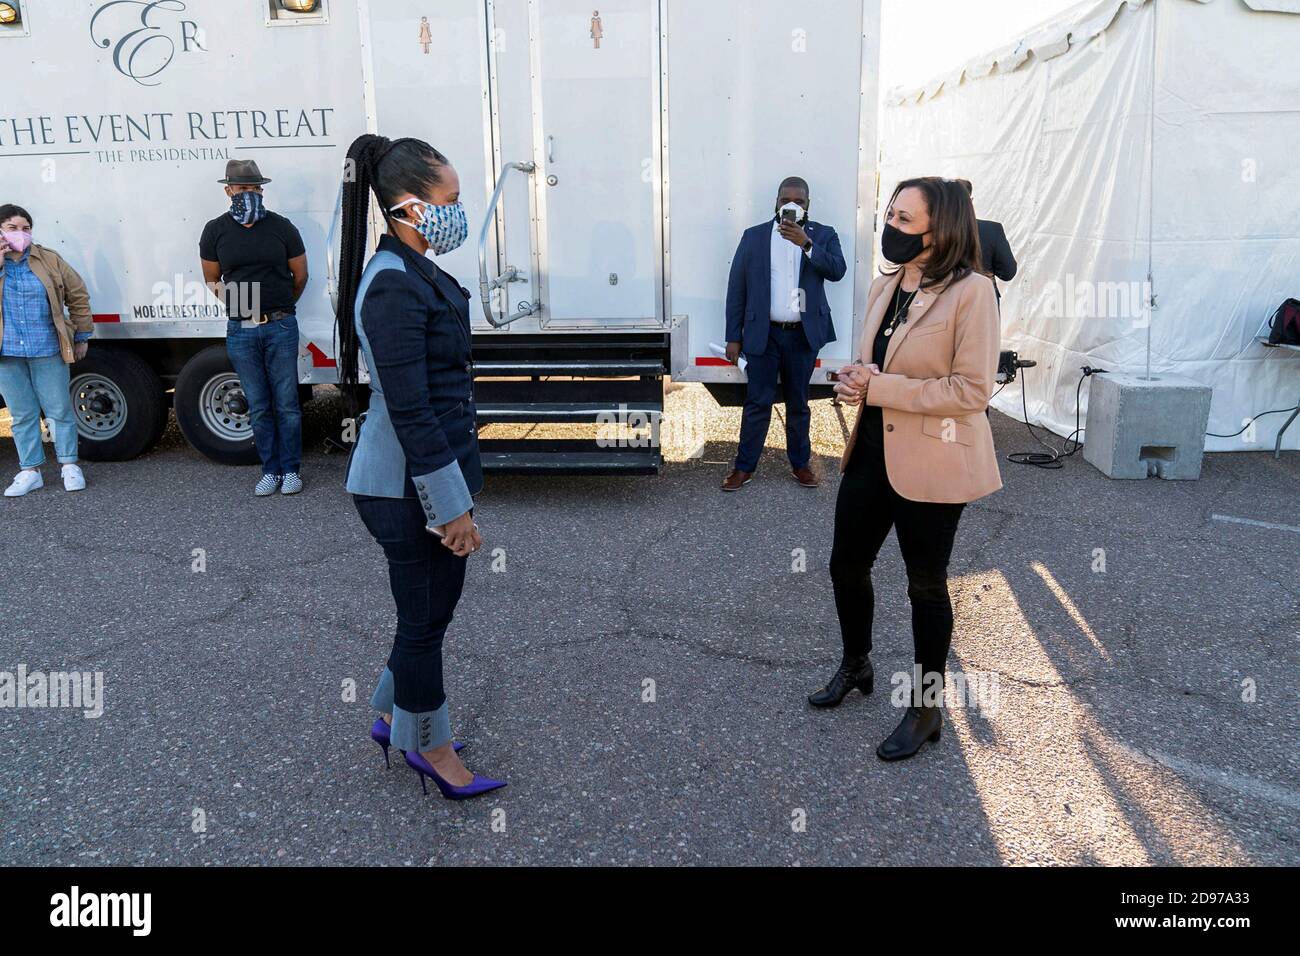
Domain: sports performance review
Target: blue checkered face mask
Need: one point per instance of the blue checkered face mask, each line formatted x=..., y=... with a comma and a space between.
x=247, y=208
x=444, y=228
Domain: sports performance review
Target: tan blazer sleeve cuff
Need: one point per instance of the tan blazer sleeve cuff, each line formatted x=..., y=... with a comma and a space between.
x=885, y=390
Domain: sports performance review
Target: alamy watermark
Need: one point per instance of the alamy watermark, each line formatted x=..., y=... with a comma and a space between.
x=1086, y=299
x=973, y=690
x=189, y=299
x=132, y=911
x=76, y=690
x=626, y=427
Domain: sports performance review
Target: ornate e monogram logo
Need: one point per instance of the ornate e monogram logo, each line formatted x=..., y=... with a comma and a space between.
x=143, y=49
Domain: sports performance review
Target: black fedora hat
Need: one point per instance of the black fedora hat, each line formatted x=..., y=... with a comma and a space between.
x=243, y=172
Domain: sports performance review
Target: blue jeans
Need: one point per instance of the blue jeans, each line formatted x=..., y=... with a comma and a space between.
x=30, y=385
x=789, y=356
x=266, y=360
x=426, y=579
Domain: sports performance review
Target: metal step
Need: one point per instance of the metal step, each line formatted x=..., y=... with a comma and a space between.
x=589, y=412
x=577, y=368
x=565, y=457
x=580, y=379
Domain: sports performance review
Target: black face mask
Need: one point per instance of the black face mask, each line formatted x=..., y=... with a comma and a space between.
x=901, y=247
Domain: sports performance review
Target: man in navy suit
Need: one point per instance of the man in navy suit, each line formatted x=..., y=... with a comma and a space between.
x=997, y=260
x=778, y=317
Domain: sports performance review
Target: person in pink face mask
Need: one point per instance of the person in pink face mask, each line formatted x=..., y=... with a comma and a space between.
x=45, y=326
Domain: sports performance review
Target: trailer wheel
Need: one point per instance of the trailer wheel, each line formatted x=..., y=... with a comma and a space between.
x=211, y=409
x=118, y=403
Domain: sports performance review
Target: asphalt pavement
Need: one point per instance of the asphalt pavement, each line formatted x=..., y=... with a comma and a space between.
x=633, y=654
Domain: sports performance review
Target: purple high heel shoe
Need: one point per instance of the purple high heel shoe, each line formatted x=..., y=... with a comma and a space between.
x=476, y=787
x=382, y=734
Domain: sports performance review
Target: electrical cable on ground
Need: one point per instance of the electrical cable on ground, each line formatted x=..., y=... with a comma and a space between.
x=1253, y=418
x=1054, y=458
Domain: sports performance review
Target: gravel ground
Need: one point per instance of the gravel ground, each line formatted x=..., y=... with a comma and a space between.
x=634, y=661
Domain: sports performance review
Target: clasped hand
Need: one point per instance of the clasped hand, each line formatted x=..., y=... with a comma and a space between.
x=460, y=535
x=853, y=381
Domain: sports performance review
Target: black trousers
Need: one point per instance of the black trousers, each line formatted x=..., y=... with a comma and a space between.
x=867, y=507
x=426, y=580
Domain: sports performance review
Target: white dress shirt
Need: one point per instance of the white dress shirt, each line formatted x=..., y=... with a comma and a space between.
x=787, y=261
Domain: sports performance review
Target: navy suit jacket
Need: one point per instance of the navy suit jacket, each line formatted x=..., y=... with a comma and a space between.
x=749, y=289
x=418, y=437
x=998, y=260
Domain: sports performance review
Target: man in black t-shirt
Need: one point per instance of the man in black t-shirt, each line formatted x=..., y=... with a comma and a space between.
x=255, y=262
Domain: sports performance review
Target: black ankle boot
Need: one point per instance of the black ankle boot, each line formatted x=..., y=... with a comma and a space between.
x=918, y=726
x=850, y=675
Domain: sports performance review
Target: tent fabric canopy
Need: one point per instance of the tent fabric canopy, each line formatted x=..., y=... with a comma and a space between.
x=1136, y=151
x=1074, y=27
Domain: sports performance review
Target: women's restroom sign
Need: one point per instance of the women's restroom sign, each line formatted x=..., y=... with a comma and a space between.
x=426, y=32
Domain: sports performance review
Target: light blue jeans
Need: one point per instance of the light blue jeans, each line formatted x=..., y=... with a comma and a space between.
x=30, y=385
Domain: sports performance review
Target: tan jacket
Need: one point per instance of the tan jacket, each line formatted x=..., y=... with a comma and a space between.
x=933, y=389
x=65, y=289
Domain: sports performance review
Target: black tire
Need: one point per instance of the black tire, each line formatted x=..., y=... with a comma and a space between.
x=119, y=404
x=211, y=410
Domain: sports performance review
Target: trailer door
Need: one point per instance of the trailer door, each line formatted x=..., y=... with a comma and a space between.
x=425, y=77
x=577, y=82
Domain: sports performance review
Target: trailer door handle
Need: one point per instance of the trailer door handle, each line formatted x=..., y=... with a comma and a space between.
x=550, y=149
x=511, y=274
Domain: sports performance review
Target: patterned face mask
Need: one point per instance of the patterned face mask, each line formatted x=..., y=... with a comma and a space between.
x=444, y=228
x=247, y=208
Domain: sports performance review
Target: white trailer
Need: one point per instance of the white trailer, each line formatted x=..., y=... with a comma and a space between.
x=610, y=159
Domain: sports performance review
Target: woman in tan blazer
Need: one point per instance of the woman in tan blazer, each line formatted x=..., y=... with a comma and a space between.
x=921, y=447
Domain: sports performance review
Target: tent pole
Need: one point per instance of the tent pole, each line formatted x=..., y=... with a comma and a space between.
x=1151, y=182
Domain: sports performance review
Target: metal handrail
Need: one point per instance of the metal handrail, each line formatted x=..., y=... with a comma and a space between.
x=331, y=277
x=485, y=286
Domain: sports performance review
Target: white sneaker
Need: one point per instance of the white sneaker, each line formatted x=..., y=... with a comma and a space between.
x=73, y=479
x=24, y=482
x=267, y=486
x=292, y=484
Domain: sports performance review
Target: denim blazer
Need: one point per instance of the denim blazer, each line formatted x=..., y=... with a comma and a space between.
x=749, y=286
x=418, y=438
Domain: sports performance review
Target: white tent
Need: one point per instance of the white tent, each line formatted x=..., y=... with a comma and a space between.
x=1133, y=148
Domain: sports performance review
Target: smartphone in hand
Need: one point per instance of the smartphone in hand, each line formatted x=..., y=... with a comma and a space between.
x=834, y=376
x=440, y=531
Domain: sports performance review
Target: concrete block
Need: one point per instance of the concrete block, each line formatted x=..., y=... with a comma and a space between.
x=1139, y=428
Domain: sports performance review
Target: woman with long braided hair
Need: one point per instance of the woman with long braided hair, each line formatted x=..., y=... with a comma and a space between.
x=415, y=467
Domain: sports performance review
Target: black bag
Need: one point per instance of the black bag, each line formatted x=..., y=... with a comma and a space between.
x=1284, y=326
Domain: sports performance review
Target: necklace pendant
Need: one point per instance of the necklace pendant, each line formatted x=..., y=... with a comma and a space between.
x=889, y=331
